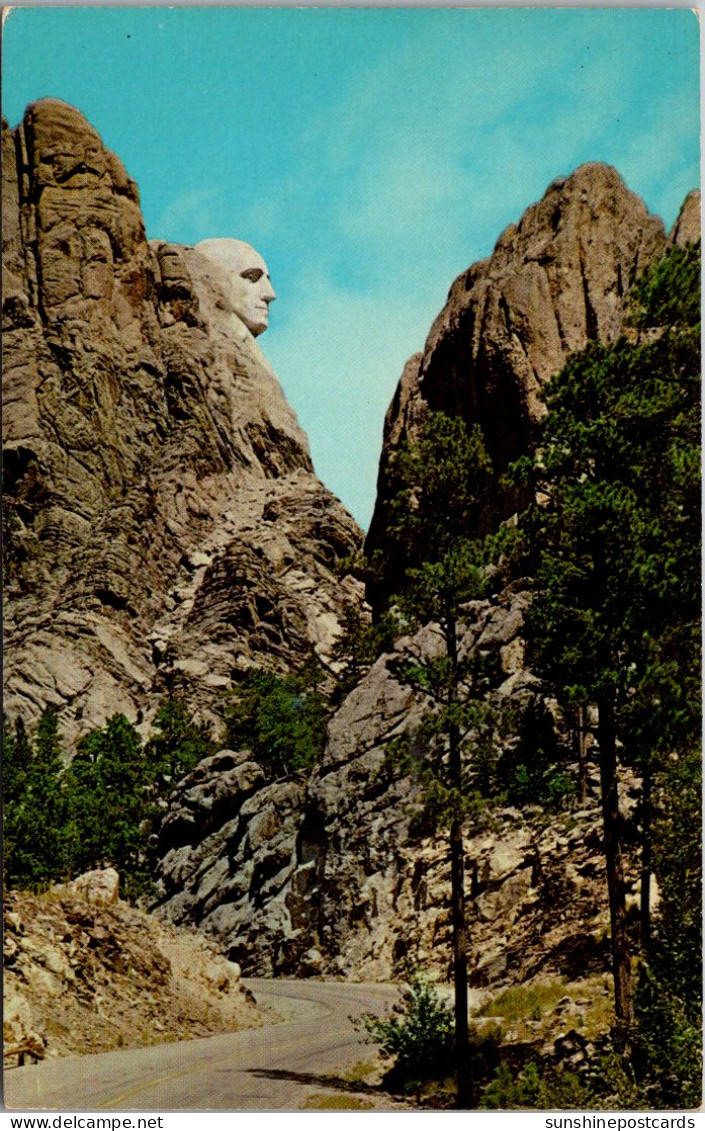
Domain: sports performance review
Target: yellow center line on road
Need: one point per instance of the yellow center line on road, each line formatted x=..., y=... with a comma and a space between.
x=116, y=1101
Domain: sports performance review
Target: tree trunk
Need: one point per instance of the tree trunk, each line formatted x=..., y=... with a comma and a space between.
x=460, y=967
x=581, y=736
x=645, y=902
x=457, y=862
x=621, y=962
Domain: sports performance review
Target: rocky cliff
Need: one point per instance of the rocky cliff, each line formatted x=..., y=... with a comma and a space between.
x=165, y=530
x=163, y=524
x=84, y=972
x=555, y=281
x=333, y=875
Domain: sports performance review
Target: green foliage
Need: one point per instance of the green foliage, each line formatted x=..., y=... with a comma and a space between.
x=546, y=1088
x=360, y=643
x=616, y=541
x=16, y=758
x=419, y=1040
x=34, y=805
x=512, y=1091
x=667, y=1049
x=282, y=720
x=109, y=787
x=177, y=743
x=668, y=293
x=442, y=478
x=530, y=765
x=613, y=546
x=61, y=819
x=676, y=952
x=423, y=754
x=520, y=1002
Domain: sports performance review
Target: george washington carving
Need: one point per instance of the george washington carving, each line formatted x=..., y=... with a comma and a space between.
x=244, y=276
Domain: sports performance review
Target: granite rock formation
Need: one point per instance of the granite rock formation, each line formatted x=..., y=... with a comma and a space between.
x=555, y=281
x=333, y=876
x=687, y=228
x=164, y=528
x=83, y=976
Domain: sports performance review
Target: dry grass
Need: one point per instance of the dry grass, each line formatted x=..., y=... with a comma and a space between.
x=532, y=1011
x=335, y=1101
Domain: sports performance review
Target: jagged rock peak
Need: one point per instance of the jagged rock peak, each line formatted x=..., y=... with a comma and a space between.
x=556, y=280
x=687, y=228
x=166, y=527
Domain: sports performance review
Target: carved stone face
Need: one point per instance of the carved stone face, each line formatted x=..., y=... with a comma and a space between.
x=247, y=287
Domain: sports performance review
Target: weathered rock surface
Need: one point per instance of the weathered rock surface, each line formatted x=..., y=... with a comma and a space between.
x=163, y=524
x=345, y=883
x=687, y=228
x=83, y=977
x=555, y=281
x=331, y=877
x=100, y=885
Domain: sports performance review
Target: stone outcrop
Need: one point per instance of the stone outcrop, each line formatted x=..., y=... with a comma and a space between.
x=164, y=531
x=555, y=281
x=687, y=228
x=81, y=976
x=164, y=528
x=335, y=876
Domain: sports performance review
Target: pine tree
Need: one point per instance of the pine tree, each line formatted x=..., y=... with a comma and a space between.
x=281, y=720
x=443, y=476
x=109, y=786
x=615, y=546
x=36, y=851
x=177, y=742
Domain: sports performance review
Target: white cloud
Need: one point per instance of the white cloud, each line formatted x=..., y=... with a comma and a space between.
x=196, y=210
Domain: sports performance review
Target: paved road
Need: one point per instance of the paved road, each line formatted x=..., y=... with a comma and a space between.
x=273, y=1068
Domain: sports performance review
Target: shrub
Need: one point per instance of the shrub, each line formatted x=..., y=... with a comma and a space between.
x=420, y=1039
x=667, y=1046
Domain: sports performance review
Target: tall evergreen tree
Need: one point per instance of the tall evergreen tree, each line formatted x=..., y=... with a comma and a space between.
x=177, y=743
x=443, y=476
x=109, y=789
x=282, y=720
x=34, y=804
x=615, y=546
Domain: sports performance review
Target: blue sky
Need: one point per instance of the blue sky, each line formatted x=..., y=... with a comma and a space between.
x=369, y=154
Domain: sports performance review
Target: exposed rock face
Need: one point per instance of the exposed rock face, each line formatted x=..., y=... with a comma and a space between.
x=81, y=977
x=687, y=228
x=164, y=524
x=331, y=877
x=101, y=885
x=555, y=281
x=343, y=882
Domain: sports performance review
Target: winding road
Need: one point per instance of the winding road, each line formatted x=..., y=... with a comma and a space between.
x=306, y=1051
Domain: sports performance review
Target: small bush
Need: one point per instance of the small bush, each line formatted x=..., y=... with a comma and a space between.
x=534, y=1090
x=420, y=1040
x=667, y=1046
